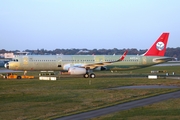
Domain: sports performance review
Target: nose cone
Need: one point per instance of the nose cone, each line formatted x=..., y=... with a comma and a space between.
x=6, y=65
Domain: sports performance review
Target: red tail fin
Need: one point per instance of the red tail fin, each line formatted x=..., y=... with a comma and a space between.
x=159, y=47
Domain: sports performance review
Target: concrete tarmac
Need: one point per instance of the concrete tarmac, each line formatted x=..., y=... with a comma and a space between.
x=120, y=107
x=8, y=71
x=145, y=87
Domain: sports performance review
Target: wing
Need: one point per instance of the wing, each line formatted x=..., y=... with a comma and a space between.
x=94, y=65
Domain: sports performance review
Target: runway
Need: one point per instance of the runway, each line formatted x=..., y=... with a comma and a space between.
x=120, y=107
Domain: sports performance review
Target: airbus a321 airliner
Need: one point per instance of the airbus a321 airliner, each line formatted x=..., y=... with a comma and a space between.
x=85, y=64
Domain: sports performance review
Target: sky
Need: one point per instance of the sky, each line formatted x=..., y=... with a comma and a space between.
x=90, y=24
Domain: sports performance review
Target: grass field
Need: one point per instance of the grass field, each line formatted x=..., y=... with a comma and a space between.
x=34, y=99
x=166, y=110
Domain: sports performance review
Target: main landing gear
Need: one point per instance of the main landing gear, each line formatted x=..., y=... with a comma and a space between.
x=91, y=75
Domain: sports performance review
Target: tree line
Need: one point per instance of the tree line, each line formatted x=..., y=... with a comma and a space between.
x=170, y=52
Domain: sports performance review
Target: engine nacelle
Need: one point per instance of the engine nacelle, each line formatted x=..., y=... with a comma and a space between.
x=76, y=71
x=66, y=67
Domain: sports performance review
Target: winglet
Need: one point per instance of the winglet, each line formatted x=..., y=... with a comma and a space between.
x=123, y=56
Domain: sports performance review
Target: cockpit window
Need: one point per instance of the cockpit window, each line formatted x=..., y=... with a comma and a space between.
x=15, y=60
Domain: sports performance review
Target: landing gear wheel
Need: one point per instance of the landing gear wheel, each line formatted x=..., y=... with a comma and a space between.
x=92, y=75
x=86, y=75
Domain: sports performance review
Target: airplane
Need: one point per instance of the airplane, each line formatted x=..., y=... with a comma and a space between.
x=86, y=64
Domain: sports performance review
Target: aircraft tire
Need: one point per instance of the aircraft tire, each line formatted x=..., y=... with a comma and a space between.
x=92, y=75
x=86, y=75
x=18, y=77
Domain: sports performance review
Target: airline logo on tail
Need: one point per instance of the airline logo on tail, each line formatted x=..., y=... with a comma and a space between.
x=159, y=47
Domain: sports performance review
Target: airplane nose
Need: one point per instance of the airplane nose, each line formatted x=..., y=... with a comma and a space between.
x=6, y=65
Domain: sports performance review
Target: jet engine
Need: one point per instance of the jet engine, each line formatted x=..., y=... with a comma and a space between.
x=76, y=71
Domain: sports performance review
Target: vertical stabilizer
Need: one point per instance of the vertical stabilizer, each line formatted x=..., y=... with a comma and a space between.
x=159, y=47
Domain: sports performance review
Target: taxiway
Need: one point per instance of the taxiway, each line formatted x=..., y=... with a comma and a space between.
x=120, y=107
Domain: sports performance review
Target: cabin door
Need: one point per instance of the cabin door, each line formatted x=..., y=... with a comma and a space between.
x=144, y=60
x=25, y=60
x=59, y=63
